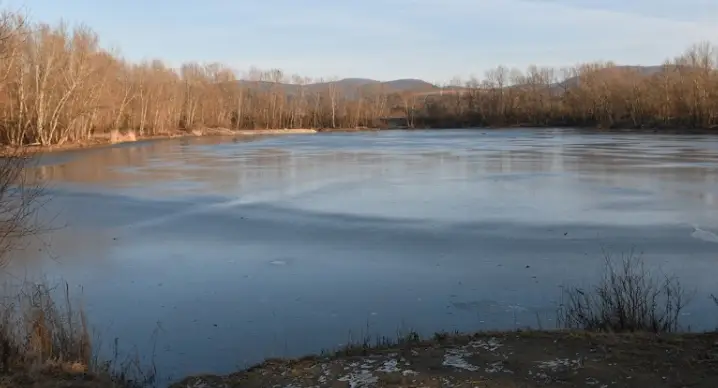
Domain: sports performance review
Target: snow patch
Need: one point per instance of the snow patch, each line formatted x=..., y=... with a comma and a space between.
x=455, y=358
x=491, y=345
x=198, y=384
x=390, y=366
x=362, y=379
x=554, y=365
x=326, y=373
x=497, y=367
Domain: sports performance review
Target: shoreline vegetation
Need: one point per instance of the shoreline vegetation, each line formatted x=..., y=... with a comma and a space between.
x=623, y=331
x=59, y=85
x=117, y=137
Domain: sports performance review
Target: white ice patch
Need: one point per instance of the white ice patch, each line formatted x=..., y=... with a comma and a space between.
x=497, y=367
x=455, y=358
x=362, y=379
x=554, y=365
x=491, y=345
x=326, y=373
x=515, y=308
x=704, y=235
x=539, y=375
x=198, y=384
x=390, y=366
x=355, y=365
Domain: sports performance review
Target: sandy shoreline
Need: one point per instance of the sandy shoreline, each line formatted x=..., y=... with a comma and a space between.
x=106, y=139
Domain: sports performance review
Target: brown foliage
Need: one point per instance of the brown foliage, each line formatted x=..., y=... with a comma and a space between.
x=58, y=85
x=682, y=93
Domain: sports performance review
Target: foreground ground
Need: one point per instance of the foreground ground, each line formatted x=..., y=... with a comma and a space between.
x=523, y=359
x=493, y=360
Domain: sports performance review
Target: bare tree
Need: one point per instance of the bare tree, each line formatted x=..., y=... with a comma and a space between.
x=333, y=96
x=59, y=85
x=19, y=198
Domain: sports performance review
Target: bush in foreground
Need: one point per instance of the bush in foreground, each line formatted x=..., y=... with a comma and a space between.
x=45, y=340
x=628, y=298
x=34, y=329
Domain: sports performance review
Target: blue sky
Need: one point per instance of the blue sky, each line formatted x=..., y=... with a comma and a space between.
x=386, y=39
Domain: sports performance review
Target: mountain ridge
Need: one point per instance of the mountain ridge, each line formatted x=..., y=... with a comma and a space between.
x=348, y=85
x=353, y=86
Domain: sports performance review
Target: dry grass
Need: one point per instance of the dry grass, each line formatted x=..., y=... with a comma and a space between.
x=34, y=329
x=121, y=137
x=629, y=298
x=45, y=340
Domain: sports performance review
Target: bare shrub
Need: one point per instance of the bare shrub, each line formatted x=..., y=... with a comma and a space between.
x=19, y=202
x=628, y=298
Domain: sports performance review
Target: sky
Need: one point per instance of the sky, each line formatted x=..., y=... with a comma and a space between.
x=434, y=40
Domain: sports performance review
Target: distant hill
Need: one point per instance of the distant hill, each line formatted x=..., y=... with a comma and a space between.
x=573, y=82
x=352, y=87
x=410, y=84
x=348, y=87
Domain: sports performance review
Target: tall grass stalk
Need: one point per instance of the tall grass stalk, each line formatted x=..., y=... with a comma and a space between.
x=45, y=334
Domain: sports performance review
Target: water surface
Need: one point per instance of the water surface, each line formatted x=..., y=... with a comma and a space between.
x=240, y=250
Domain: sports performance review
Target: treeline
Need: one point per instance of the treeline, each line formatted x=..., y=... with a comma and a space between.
x=58, y=85
x=681, y=93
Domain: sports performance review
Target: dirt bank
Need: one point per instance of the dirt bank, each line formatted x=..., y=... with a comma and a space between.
x=522, y=359
x=114, y=138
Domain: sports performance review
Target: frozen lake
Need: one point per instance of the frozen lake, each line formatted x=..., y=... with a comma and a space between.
x=281, y=246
